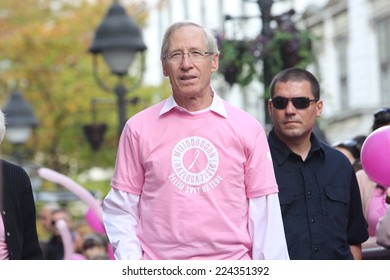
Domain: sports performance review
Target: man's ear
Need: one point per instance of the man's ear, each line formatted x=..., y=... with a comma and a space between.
x=319, y=106
x=164, y=68
x=269, y=108
x=215, y=62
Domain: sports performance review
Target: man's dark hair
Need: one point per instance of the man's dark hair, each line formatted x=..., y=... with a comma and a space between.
x=296, y=74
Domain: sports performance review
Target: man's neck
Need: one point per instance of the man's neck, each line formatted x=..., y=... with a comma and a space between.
x=195, y=103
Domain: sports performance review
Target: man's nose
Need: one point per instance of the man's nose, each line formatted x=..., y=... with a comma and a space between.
x=290, y=107
x=186, y=60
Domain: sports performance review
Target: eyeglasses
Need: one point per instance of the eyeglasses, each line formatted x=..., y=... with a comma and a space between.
x=300, y=103
x=384, y=112
x=195, y=56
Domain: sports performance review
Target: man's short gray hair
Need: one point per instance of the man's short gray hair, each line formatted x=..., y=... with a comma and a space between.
x=210, y=40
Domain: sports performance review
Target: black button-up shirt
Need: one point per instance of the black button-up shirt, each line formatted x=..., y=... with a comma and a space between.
x=320, y=201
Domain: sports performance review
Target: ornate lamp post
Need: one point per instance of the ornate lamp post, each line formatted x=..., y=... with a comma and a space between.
x=266, y=32
x=20, y=121
x=117, y=39
x=265, y=9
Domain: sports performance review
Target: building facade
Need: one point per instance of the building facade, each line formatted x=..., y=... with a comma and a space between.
x=353, y=60
x=352, y=53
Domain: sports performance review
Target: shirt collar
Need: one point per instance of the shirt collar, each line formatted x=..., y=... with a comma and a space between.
x=217, y=105
x=281, y=151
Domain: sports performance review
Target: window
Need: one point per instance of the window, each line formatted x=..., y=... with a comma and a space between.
x=384, y=58
x=341, y=47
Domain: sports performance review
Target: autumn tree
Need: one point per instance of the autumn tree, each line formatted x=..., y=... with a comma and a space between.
x=44, y=52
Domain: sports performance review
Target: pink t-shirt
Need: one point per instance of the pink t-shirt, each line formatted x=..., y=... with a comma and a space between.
x=376, y=209
x=194, y=174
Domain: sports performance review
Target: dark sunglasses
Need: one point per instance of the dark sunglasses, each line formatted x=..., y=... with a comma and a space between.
x=280, y=103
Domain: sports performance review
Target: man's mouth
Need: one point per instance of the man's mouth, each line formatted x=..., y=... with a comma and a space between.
x=187, y=77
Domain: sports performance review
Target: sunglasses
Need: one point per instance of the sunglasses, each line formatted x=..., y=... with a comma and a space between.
x=280, y=103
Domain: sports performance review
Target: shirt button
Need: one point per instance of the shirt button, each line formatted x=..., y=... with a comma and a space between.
x=315, y=249
x=309, y=193
x=311, y=220
x=3, y=212
x=8, y=234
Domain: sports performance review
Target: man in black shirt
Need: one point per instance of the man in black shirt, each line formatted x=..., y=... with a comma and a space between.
x=55, y=247
x=318, y=191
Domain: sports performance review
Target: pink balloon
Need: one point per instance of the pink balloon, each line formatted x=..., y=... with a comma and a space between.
x=74, y=187
x=375, y=156
x=66, y=237
x=94, y=222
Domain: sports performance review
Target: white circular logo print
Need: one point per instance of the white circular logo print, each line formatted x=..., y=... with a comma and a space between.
x=195, y=160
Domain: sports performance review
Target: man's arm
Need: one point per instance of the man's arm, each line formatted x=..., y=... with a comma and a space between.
x=121, y=217
x=356, y=251
x=266, y=229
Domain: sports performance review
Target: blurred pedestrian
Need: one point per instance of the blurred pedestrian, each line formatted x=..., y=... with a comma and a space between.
x=318, y=190
x=45, y=221
x=193, y=177
x=95, y=247
x=357, y=165
x=55, y=246
x=18, y=231
x=349, y=149
x=375, y=198
x=80, y=231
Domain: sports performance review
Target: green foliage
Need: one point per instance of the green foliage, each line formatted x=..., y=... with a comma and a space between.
x=240, y=61
x=237, y=61
x=288, y=49
x=44, y=52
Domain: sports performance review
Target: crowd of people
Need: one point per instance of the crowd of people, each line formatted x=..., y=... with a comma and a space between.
x=19, y=239
x=375, y=197
x=197, y=178
x=84, y=242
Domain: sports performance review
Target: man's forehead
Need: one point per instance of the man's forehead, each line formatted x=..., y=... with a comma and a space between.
x=187, y=38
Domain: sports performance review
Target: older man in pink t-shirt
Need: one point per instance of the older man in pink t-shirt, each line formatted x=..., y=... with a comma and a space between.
x=193, y=178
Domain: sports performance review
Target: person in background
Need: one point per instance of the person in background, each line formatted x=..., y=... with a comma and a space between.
x=18, y=231
x=193, y=176
x=55, y=247
x=95, y=247
x=318, y=191
x=80, y=230
x=44, y=219
x=351, y=148
x=375, y=198
x=357, y=165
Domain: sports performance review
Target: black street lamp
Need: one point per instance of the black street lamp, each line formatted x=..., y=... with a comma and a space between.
x=266, y=17
x=118, y=39
x=20, y=121
x=266, y=32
